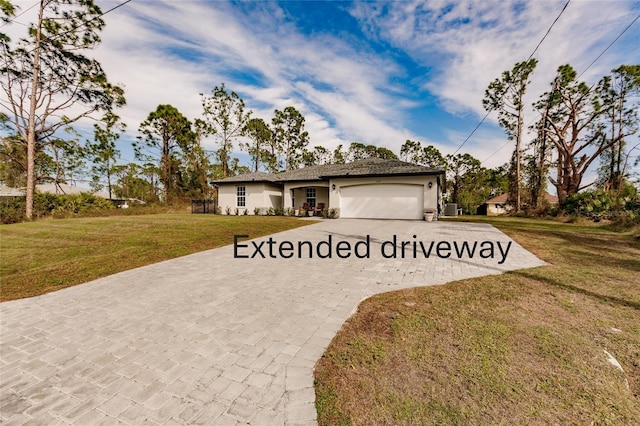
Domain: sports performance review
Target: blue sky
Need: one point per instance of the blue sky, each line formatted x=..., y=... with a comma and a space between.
x=374, y=72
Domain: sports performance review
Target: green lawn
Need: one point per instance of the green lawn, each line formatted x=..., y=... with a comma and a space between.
x=47, y=255
x=526, y=347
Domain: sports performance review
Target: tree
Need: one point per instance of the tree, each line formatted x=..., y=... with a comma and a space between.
x=461, y=168
x=290, y=137
x=260, y=134
x=339, y=156
x=359, y=151
x=384, y=153
x=103, y=152
x=13, y=163
x=48, y=81
x=225, y=119
x=537, y=164
x=506, y=95
x=167, y=133
x=322, y=155
x=429, y=156
x=131, y=182
x=319, y=156
x=411, y=152
x=576, y=128
x=69, y=160
x=619, y=92
x=194, y=173
x=432, y=157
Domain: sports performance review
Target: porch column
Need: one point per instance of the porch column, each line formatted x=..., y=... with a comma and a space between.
x=288, y=199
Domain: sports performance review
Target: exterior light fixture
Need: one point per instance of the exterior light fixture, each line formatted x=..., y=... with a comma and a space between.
x=430, y=185
x=333, y=187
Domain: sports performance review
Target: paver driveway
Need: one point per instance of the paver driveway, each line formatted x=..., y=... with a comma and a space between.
x=209, y=338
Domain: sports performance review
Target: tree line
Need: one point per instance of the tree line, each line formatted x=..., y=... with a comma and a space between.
x=51, y=84
x=576, y=126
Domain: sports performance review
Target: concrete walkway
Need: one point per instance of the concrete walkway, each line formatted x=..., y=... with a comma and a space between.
x=209, y=338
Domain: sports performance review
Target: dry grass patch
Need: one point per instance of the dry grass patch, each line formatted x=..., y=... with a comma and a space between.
x=48, y=255
x=524, y=347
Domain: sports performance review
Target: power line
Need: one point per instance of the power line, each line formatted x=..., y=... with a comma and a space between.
x=10, y=21
x=530, y=56
x=496, y=151
x=610, y=44
x=85, y=23
x=80, y=25
x=549, y=30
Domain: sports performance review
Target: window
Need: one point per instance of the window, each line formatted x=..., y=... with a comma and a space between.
x=241, y=194
x=311, y=198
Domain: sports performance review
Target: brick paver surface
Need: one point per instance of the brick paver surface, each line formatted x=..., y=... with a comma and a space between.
x=213, y=339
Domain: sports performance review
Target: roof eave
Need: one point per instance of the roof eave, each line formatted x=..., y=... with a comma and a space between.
x=230, y=182
x=404, y=174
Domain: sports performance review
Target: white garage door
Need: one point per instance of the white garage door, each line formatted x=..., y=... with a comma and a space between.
x=382, y=201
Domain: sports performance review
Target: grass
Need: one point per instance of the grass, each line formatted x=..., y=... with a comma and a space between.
x=47, y=255
x=525, y=347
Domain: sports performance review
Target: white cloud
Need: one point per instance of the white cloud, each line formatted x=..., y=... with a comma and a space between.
x=470, y=43
x=343, y=92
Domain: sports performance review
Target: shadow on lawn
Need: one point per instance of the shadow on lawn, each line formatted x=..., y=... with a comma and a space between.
x=569, y=287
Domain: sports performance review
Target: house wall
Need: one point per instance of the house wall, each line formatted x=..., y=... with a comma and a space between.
x=260, y=195
x=497, y=209
x=263, y=195
x=431, y=195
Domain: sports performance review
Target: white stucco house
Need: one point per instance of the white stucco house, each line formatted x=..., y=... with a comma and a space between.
x=500, y=205
x=372, y=188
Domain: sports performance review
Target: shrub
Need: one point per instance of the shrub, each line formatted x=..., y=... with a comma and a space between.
x=245, y=212
x=271, y=211
x=278, y=211
x=74, y=204
x=12, y=211
x=601, y=205
x=227, y=210
x=59, y=206
x=256, y=211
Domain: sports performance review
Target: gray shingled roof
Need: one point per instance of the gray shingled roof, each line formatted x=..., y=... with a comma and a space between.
x=251, y=177
x=366, y=167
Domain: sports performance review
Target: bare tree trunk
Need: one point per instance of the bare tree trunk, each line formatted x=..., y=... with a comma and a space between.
x=109, y=178
x=31, y=130
x=518, y=161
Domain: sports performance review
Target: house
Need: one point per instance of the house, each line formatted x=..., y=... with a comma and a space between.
x=372, y=188
x=498, y=205
x=10, y=193
x=66, y=189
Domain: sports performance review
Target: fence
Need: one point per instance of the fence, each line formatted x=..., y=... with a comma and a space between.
x=204, y=206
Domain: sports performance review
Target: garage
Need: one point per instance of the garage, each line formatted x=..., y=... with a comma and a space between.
x=382, y=201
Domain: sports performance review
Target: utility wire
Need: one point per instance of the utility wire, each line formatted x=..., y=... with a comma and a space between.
x=496, y=151
x=530, y=56
x=82, y=24
x=610, y=44
x=549, y=30
x=13, y=20
x=85, y=23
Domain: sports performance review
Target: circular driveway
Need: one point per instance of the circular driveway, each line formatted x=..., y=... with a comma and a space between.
x=217, y=337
